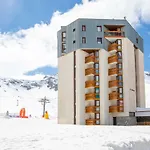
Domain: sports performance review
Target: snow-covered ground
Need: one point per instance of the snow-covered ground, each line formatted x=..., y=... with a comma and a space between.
x=40, y=134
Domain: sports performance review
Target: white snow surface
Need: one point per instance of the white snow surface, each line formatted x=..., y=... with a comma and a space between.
x=40, y=134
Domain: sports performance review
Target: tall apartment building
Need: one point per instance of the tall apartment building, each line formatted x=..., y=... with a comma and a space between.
x=100, y=72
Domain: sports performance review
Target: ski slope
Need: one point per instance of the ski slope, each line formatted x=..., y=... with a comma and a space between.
x=17, y=94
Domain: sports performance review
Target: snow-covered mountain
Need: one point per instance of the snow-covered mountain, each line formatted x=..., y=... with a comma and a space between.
x=17, y=93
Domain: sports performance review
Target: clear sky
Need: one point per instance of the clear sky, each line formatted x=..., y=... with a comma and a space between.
x=28, y=29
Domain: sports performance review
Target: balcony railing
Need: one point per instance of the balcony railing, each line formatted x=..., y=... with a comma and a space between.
x=92, y=96
x=114, y=34
x=89, y=71
x=113, y=71
x=90, y=59
x=92, y=109
x=113, y=59
x=90, y=121
x=112, y=47
x=90, y=83
x=114, y=83
x=113, y=109
x=114, y=96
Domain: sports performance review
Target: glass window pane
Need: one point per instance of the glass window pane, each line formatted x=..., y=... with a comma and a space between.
x=99, y=28
x=120, y=78
x=120, y=59
x=97, y=109
x=120, y=66
x=97, y=90
x=97, y=78
x=97, y=103
x=97, y=116
x=96, y=65
x=99, y=40
x=119, y=42
x=120, y=95
x=119, y=47
x=120, y=83
x=120, y=90
x=97, y=122
x=119, y=54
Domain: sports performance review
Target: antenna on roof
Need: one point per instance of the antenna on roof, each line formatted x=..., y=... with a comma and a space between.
x=124, y=17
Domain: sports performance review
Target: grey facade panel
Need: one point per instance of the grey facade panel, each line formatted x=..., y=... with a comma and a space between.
x=74, y=34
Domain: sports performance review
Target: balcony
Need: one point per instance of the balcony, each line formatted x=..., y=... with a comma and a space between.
x=113, y=47
x=92, y=96
x=89, y=84
x=114, y=34
x=115, y=109
x=113, y=96
x=114, y=83
x=90, y=59
x=113, y=71
x=112, y=59
x=89, y=71
x=92, y=109
x=90, y=121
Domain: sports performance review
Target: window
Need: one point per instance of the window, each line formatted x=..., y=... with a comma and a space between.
x=119, y=66
x=96, y=66
x=97, y=78
x=83, y=40
x=120, y=60
x=97, y=103
x=99, y=28
x=97, y=109
x=137, y=40
x=74, y=30
x=120, y=102
x=97, y=122
x=120, y=95
x=63, y=47
x=119, y=41
x=97, y=116
x=64, y=36
x=74, y=41
x=83, y=27
x=119, y=54
x=96, y=90
x=120, y=83
x=120, y=90
x=119, y=48
x=99, y=40
x=97, y=83
x=119, y=78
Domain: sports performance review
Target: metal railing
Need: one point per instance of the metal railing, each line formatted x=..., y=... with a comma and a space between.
x=114, y=33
